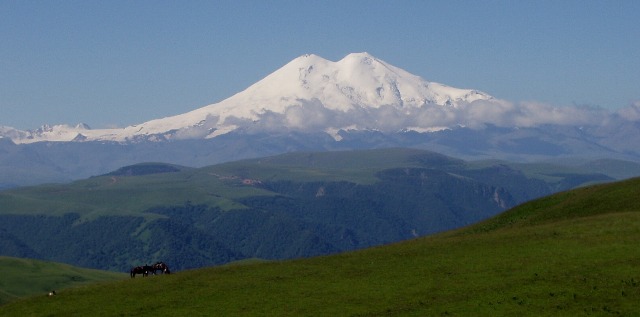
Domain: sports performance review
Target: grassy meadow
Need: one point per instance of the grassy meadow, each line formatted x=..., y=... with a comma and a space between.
x=24, y=277
x=573, y=253
x=221, y=185
x=218, y=185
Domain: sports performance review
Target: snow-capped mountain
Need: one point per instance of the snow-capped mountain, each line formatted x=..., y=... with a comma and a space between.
x=310, y=93
x=312, y=104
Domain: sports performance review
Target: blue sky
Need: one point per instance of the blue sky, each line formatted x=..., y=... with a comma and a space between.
x=116, y=63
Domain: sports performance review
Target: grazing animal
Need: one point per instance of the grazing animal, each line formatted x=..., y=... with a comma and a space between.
x=148, y=268
x=52, y=293
x=162, y=267
x=144, y=270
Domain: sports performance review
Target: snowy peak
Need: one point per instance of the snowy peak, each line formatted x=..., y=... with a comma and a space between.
x=357, y=80
x=357, y=67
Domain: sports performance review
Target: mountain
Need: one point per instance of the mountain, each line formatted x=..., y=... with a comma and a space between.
x=308, y=92
x=312, y=104
x=570, y=254
x=287, y=206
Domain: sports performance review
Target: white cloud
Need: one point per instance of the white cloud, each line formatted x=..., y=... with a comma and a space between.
x=308, y=116
x=631, y=113
x=527, y=114
x=199, y=131
x=313, y=116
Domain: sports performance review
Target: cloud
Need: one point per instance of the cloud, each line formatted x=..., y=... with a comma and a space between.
x=313, y=116
x=527, y=114
x=199, y=131
x=631, y=113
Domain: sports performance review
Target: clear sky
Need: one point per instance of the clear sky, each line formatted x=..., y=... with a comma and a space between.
x=116, y=63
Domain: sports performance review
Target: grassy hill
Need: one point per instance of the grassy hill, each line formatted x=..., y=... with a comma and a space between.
x=287, y=206
x=573, y=253
x=24, y=277
x=132, y=190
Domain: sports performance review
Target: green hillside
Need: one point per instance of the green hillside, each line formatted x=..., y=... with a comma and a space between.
x=133, y=189
x=570, y=254
x=25, y=277
x=287, y=206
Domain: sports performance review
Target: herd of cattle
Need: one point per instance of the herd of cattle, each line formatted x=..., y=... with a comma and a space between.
x=146, y=269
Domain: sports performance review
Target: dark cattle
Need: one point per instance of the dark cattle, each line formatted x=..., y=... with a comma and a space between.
x=162, y=267
x=144, y=270
x=148, y=269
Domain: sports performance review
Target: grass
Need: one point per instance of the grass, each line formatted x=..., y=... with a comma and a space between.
x=588, y=201
x=575, y=253
x=218, y=185
x=24, y=277
x=122, y=195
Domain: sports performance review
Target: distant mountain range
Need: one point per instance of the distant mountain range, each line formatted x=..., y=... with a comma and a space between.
x=312, y=104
